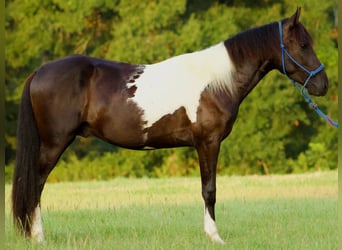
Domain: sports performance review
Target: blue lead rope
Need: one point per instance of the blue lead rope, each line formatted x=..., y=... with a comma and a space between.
x=313, y=105
x=311, y=73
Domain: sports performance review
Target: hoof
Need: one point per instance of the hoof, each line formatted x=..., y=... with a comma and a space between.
x=37, y=234
x=216, y=238
x=210, y=228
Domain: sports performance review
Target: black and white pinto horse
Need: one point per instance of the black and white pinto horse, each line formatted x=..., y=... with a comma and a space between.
x=187, y=100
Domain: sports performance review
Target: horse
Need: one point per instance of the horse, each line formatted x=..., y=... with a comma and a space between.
x=189, y=100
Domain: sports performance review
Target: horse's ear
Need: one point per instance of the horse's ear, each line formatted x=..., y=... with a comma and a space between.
x=293, y=20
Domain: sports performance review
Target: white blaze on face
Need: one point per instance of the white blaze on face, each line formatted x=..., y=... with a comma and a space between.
x=179, y=81
x=36, y=228
x=210, y=227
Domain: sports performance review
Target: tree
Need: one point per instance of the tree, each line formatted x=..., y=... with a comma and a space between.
x=275, y=132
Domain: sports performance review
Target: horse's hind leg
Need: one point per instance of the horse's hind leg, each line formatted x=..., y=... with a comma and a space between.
x=49, y=155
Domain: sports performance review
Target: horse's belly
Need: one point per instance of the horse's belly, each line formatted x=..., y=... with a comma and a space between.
x=172, y=130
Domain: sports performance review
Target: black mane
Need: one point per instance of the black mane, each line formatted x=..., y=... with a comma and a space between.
x=255, y=42
x=261, y=41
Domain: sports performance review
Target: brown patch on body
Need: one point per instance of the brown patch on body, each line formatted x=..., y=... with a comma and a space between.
x=172, y=130
x=110, y=115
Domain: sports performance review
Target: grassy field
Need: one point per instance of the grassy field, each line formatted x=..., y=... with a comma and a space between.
x=254, y=212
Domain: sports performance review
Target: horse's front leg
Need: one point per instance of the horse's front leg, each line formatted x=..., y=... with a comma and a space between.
x=208, y=153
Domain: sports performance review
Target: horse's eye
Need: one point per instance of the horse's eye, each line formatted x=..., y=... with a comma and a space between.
x=304, y=45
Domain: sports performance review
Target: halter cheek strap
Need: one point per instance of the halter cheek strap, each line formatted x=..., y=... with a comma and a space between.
x=311, y=73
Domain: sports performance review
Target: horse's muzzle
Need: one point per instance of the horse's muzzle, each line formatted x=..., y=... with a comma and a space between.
x=318, y=86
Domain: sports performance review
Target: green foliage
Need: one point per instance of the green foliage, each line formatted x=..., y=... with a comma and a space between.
x=317, y=157
x=276, y=132
x=126, y=163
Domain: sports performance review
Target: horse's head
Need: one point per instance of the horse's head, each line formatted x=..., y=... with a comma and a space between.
x=299, y=61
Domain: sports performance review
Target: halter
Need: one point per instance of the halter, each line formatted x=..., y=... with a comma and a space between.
x=311, y=73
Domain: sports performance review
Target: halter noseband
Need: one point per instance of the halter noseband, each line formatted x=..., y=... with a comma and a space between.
x=311, y=73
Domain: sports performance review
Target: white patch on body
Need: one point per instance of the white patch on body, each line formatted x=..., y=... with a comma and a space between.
x=210, y=227
x=179, y=81
x=36, y=228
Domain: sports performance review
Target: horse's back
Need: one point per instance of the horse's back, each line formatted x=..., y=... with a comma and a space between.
x=76, y=69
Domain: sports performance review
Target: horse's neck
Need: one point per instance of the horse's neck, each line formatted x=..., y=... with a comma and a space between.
x=248, y=76
x=253, y=53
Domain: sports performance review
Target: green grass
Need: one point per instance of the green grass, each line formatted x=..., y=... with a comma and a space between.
x=255, y=212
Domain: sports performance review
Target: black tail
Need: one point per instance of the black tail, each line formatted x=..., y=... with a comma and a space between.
x=25, y=193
